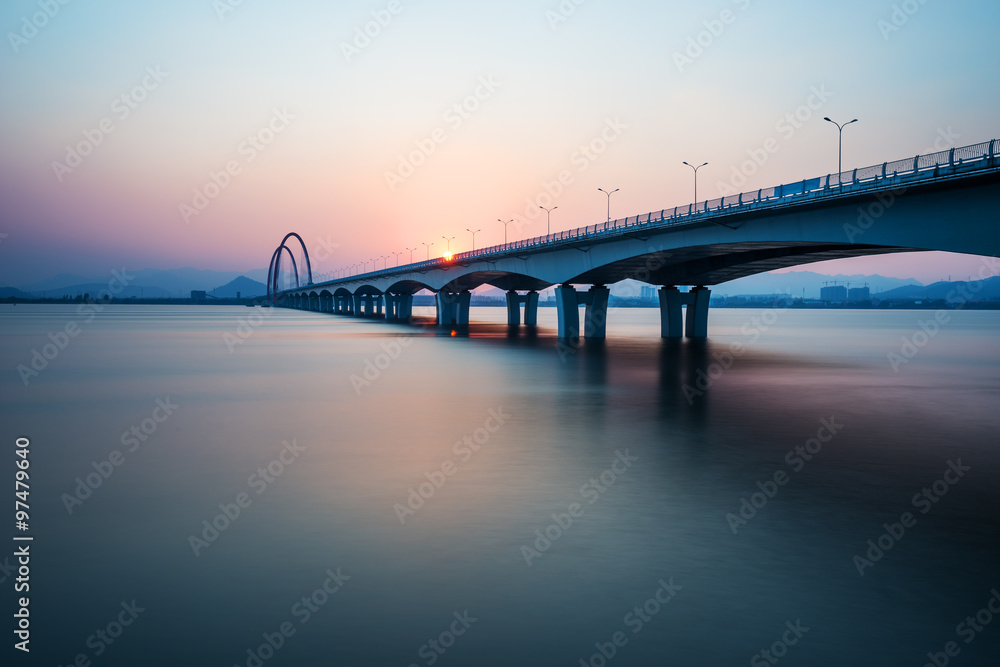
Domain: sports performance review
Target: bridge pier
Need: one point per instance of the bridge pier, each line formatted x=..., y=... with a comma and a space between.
x=342, y=304
x=398, y=306
x=453, y=308
x=514, y=301
x=568, y=302
x=695, y=320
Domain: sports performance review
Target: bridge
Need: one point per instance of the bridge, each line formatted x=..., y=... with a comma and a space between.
x=940, y=201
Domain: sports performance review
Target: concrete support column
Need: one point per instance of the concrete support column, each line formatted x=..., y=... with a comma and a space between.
x=453, y=308
x=390, y=305
x=595, y=319
x=671, y=324
x=404, y=307
x=697, y=312
x=513, y=308
x=377, y=303
x=531, y=308
x=514, y=301
x=398, y=306
x=568, y=311
x=568, y=302
x=358, y=305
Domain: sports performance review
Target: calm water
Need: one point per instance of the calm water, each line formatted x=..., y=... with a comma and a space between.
x=545, y=421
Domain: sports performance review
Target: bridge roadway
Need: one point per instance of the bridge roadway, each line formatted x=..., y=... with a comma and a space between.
x=942, y=201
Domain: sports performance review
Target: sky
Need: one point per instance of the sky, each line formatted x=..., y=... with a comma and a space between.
x=197, y=133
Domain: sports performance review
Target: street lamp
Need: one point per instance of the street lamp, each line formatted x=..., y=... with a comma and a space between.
x=385, y=261
x=428, y=246
x=609, y=199
x=505, y=229
x=449, y=239
x=411, y=254
x=695, y=178
x=473, y=232
x=548, y=218
x=840, y=147
x=397, y=254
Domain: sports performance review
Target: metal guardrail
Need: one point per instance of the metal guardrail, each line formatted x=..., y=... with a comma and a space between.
x=920, y=168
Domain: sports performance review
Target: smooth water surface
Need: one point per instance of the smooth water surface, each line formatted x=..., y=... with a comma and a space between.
x=333, y=427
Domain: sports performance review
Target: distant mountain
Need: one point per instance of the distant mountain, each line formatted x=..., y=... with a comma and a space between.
x=180, y=282
x=6, y=292
x=985, y=289
x=56, y=282
x=242, y=286
x=93, y=289
x=257, y=274
x=155, y=283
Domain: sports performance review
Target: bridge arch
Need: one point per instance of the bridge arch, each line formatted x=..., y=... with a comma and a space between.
x=274, y=269
x=305, y=251
x=505, y=280
x=408, y=287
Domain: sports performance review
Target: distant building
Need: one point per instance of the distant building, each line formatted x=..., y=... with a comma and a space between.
x=833, y=293
x=648, y=292
x=859, y=294
x=198, y=295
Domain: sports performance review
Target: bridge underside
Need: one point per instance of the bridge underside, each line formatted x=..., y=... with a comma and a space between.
x=720, y=263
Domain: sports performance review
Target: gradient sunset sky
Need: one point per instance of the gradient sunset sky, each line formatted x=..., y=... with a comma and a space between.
x=335, y=112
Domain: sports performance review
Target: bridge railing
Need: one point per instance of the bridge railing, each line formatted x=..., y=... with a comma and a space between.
x=981, y=155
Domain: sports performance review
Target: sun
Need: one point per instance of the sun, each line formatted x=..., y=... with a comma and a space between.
x=447, y=256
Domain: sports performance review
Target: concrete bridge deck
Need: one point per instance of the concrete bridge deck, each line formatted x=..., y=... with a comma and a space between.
x=943, y=201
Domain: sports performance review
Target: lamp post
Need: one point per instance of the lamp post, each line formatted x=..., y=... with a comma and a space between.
x=385, y=261
x=411, y=254
x=473, y=232
x=449, y=239
x=840, y=144
x=548, y=217
x=609, y=199
x=428, y=246
x=397, y=254
x=505, y=228
x=695, y=178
